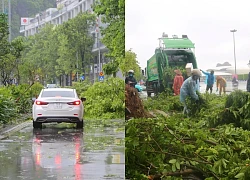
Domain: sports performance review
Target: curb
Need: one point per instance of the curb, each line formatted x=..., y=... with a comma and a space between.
x=16, y=128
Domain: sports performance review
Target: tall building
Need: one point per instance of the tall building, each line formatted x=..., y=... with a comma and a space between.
x=65, y=10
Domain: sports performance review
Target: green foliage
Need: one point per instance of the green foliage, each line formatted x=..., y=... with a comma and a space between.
x=111, y=68
x=9, y=53
x=163, y=101
x=15, y=100
x=161, y=147
x=237, y=110
x=113, y=14
x=22, y=94
x=81, y=86
x=237, y=99
x=75, y=42
x=196, y=106
x=105, y=100
x=211, y=143
x=58, y=50
x=8, y=109
x=130, y=62
x=6, y=59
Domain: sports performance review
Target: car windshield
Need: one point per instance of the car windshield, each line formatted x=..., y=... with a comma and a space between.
x=58, y=93
x=51, y=85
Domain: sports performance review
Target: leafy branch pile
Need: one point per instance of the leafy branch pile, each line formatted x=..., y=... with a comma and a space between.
x=105, y=100
x=81, y=86
x=15, y=100
x=8, y=111
x=211, y=144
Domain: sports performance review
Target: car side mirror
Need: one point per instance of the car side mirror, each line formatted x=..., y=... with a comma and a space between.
x=83, y=99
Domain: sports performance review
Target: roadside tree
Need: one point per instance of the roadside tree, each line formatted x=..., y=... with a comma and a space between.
x=113, y=14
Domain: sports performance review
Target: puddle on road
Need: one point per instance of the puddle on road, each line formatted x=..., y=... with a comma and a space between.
x=55, y=153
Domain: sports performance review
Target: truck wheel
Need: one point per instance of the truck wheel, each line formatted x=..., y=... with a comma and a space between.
x=37, y=125
x=79, y=125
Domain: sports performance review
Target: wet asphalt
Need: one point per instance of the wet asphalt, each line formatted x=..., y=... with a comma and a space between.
x=59, y=151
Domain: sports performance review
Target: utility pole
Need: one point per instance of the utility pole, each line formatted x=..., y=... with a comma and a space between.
x=9, y=16
x=3, y=5
x=99, y=52
x=233, y=31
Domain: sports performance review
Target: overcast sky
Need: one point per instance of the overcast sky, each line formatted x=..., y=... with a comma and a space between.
x=206, y=22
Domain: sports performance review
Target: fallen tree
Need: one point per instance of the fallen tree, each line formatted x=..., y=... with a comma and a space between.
x=133, y=104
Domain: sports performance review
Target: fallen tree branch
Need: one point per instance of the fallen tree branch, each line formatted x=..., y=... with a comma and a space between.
x=184, y=172
x=166, y=127
x=177, y=155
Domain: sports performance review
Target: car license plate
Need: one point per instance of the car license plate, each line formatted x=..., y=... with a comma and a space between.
x=58, y=106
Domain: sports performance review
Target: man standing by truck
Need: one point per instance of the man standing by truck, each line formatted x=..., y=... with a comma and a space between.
x=210, y=80
x=178, y=81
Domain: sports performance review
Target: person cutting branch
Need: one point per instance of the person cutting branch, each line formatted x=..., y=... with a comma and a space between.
x=189, y=89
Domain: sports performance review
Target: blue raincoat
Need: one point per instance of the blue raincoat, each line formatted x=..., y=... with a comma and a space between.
x=210, y=79
x=188, y=88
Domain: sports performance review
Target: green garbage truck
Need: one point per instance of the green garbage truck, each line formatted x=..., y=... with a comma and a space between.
x=172, y=53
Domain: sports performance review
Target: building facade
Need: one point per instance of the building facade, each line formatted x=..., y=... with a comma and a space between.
x=65, y=10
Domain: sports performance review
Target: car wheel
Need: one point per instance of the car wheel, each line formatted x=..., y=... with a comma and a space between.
x=37, y=125
x=79, y=125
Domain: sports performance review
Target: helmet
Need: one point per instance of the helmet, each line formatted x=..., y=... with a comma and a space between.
x=196, y=72
x=130, y=71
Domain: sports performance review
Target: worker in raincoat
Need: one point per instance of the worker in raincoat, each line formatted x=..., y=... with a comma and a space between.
x=189, y=88
x=210, y=80
x=178, y=81
x=222, y=83
x=130, y=80
x=198, y=85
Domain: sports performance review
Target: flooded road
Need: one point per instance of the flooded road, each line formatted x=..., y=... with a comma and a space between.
x=59, y=152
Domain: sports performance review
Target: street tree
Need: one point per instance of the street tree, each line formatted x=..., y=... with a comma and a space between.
x=9, y=52
x=17, y=46
x=130, y=62
x=29, y=65
x=40, y=55
x=113, y=14
x=76, y=43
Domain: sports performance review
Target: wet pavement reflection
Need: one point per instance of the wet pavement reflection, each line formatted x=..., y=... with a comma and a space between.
x=57, y=153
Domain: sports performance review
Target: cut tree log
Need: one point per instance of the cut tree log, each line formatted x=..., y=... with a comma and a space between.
x=134, y=105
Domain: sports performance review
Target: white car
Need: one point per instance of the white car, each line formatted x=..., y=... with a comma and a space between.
x=58, y=105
